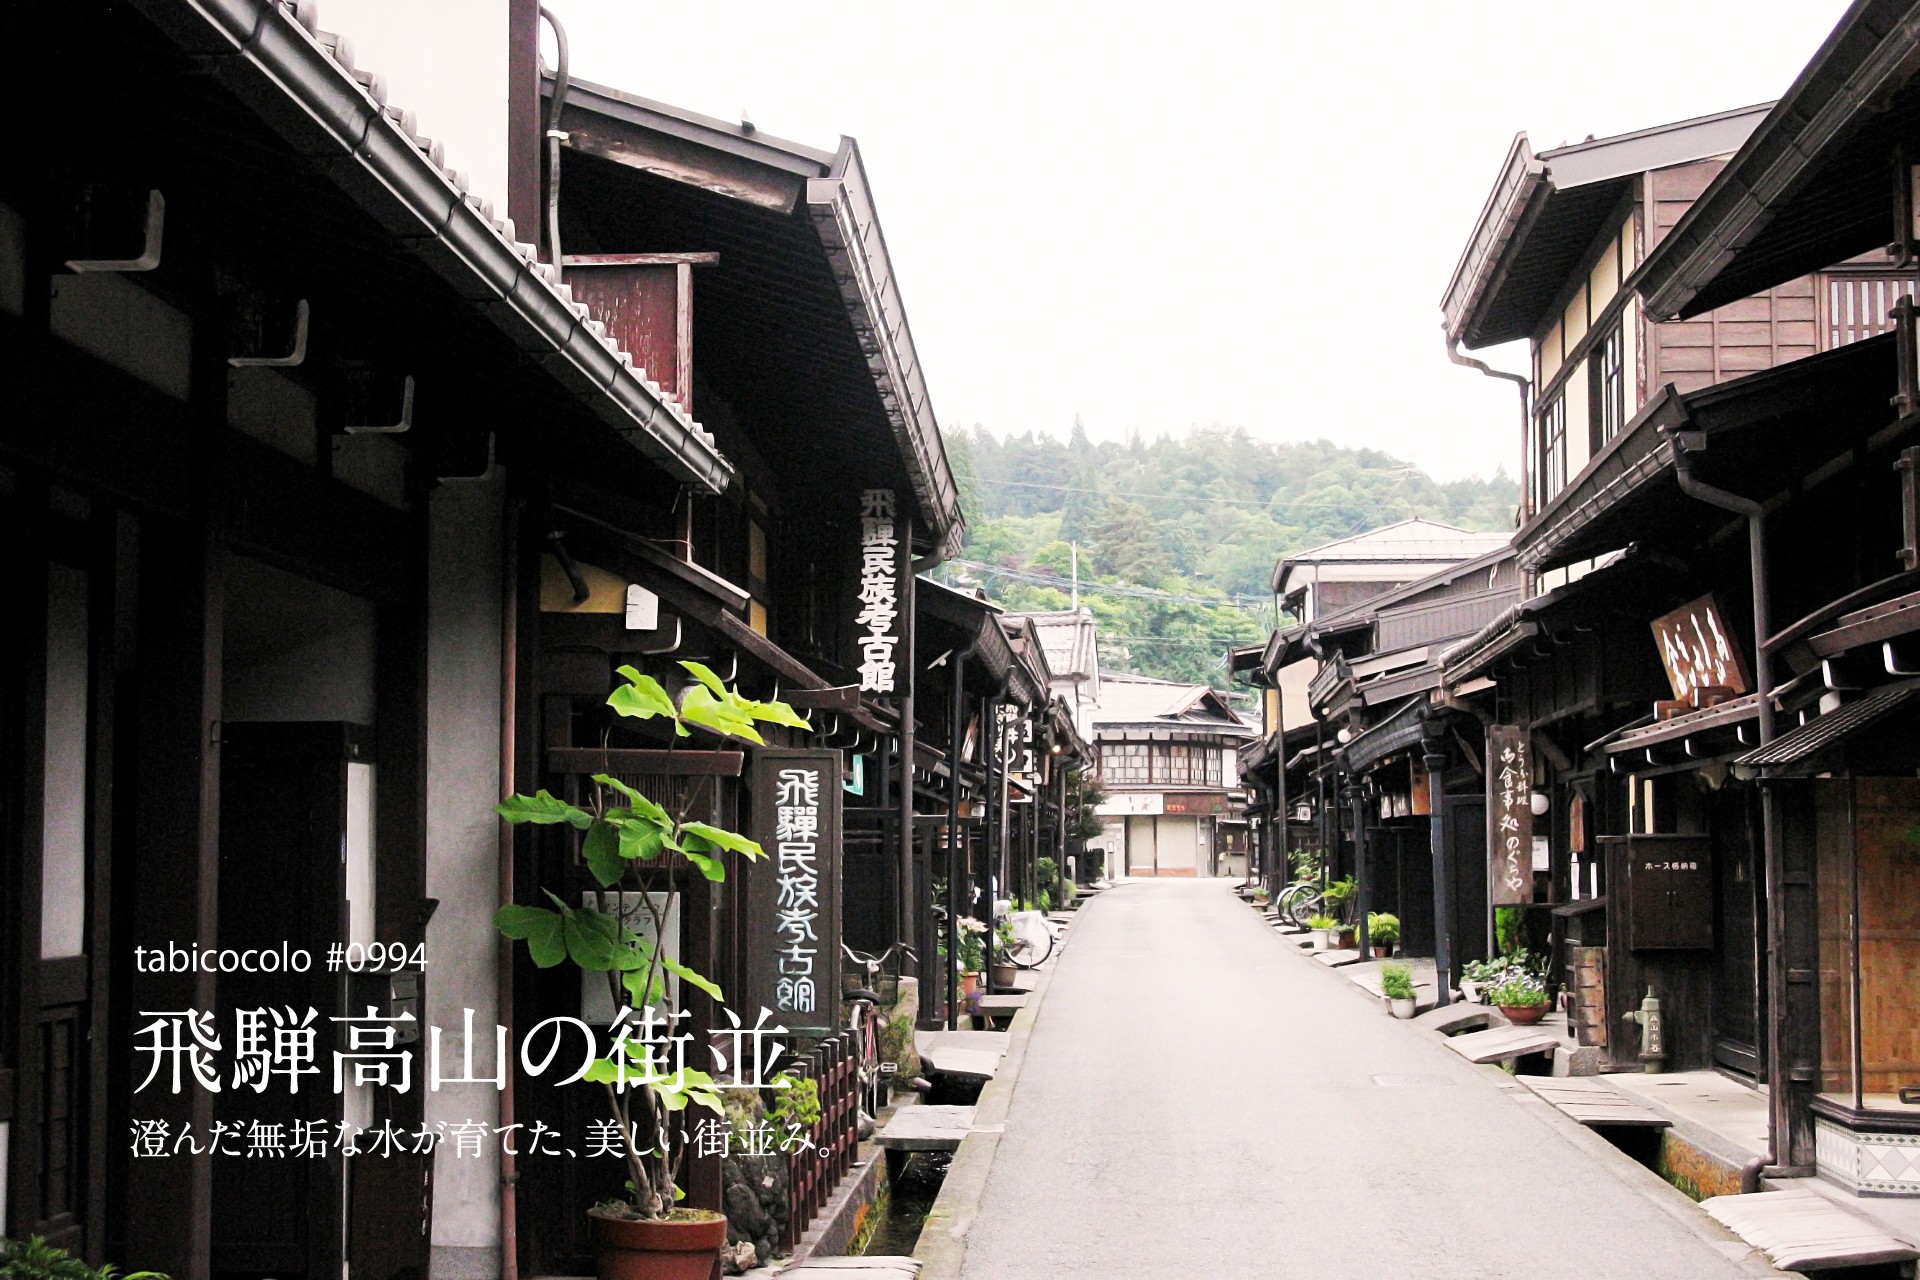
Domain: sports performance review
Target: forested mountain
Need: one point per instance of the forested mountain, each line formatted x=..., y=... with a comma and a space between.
x=1178, y=537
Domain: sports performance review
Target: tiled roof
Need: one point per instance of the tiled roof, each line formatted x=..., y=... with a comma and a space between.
x=1414, y=539
x=1068, y=637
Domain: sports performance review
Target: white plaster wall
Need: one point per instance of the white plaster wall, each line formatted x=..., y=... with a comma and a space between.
x=63, y=858
x=463, y=784
x=445, y=61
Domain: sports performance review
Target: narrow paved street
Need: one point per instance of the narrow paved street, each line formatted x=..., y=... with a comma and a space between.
x=1196, y=1103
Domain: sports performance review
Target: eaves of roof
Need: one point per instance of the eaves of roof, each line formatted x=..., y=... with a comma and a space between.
x=1545, y=211
x=1763, y=434
x=838, y=201
x=1810, y=186
x=302, y=84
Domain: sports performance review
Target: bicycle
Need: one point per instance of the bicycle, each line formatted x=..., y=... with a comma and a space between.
x=866, y=980
x=1033, y=939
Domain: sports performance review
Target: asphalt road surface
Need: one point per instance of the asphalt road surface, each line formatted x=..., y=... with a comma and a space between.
x=1197, y=1102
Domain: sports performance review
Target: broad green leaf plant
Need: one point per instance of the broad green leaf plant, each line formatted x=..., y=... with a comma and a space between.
x=633, y=844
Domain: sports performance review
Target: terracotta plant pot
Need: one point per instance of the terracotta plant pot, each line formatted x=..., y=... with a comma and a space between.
x=1381, y=953
x=643, y=1249
x=969, y=986
x=1524, y=1015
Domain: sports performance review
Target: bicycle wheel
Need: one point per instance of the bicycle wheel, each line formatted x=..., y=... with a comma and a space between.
x=1303, y=907
x=1028, y=952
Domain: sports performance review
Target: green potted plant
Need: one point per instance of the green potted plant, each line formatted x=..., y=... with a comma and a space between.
x=1521, y=995
x=1004, y=970
x=973, y=957
x=1337, y=900
x=637, y=848
x=1396, y=985
x=1319, y=928
x=1383, y=931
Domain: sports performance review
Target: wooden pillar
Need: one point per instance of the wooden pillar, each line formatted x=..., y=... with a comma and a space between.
x=175, y=877
x=1434, y=745
x=910, y=891
x=1363, y=894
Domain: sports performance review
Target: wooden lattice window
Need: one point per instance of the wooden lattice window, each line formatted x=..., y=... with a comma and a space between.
x=1857, y=306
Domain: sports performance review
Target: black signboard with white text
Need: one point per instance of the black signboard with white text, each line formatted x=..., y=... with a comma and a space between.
x=1509, y=815
x=880, y=623
x=793, y=909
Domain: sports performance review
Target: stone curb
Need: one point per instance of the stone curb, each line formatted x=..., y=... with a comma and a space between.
x=1628, y=1171
x=942, y=1247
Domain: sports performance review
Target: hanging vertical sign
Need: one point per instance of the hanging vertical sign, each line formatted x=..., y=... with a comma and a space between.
x=883, y=568
x=793, y=913
x=1509, y=815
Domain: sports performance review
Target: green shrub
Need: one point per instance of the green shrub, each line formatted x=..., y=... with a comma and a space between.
x=35, y=1259
x=1518, y=989
x=1396, y=982
x=1383, y=929
x=1320, y=922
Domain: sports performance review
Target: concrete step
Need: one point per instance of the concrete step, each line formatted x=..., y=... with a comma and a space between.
x=1804, y=1231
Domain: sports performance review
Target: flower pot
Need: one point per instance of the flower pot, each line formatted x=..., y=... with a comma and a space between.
x=1382, y=952
x=657, y=1249
x=1319, y=937
x=1524, y=1015
x=1401, y=1007
x=1004, y=974
x=969, y=986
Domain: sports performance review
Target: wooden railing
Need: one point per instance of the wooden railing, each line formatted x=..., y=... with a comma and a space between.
x=813, y=1172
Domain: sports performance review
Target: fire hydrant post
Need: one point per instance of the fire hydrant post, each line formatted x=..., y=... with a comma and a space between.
x=1653, y=1040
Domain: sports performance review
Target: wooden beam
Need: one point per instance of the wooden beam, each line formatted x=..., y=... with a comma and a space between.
x=693, y=763
x=640, y=259
x=837, y=698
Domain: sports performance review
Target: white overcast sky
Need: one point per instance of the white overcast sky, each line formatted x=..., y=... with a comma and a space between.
x=1157, y=216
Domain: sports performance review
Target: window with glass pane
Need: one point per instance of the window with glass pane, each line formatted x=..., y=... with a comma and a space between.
x=1607, y=387
x=1550, y=461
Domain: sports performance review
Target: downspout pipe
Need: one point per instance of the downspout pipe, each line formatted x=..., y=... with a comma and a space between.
x=555, y=135
x=1685, y=445
x=1525, y=384
x=503, y=954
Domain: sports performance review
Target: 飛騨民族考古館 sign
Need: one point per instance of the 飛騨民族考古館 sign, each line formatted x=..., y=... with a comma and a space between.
x=793, y=896
x=881, y=622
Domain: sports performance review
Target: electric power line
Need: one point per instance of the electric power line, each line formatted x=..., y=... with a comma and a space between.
x=1109, y=588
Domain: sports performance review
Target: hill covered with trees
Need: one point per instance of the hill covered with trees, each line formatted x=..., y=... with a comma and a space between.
x=1178, y=537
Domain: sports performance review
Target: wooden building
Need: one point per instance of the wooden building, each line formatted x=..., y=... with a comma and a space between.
x=1824, y=472
x=339, y=502
x=1168, y=763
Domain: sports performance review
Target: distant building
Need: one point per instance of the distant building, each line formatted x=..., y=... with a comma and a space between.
x=1167, y=754
x=1072, y=651
x=1338, y=575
